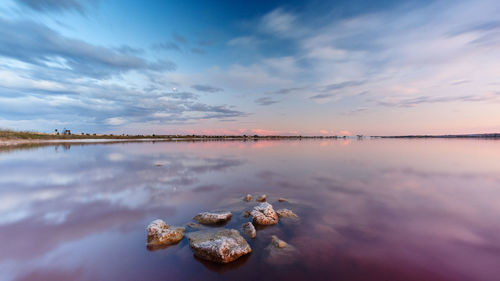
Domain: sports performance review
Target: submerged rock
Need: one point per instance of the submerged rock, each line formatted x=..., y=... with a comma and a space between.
x=246, y=214
x=212, y=218
x=286, y=213
x=264, y=214
x=160, y=234
x=282, y=200
x=193, y=225
x=278, y=242
x=249, y=230
x=261, y=198
x=280, y=252
x=222, y=246
x=247, y=198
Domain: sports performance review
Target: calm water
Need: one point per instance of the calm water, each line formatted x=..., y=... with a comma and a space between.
x=370, y=210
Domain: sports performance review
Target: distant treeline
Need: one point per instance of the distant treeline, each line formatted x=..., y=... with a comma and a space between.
x=9, y=134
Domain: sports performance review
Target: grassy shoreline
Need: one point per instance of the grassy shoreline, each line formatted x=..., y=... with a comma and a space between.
x=9, y=137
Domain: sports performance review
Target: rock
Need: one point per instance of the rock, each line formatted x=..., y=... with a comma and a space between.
x=278, y=242
x=193, y=225
x=249, y=230
x=286, y=213
x=222, y=246
x=248, y=198
x=246, y=214
x=282, y=200
x=264, y=214
x=280, y=252
x=212, y=218
x=261, y=198
x=159, y=233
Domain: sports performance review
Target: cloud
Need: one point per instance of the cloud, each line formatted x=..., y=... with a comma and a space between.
x=56, y=5
x=206, y=88
x=414, y=101
x=345, y=133
x=342, y=85
x=37, y=44
x=324, y=132
x=198, y=51
x=182, y=95
x=278, y=22
x=115, y=121
x=265, y=101
x=286, y=91
x=179, y=38
x=244, y=41
x=320, y=96
x=167, y=46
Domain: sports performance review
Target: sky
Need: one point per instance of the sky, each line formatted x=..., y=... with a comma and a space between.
x=250, y=67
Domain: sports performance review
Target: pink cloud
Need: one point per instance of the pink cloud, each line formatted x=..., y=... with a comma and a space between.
x=345, y=133
x=324, y=132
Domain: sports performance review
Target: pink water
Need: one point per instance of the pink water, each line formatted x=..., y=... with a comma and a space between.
x=384, y=209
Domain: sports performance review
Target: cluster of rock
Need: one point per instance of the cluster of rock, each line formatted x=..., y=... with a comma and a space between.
x=224, y=245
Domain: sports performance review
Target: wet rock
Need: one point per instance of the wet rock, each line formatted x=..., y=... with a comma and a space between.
x=159, y=233
x=286, y=213
x=248, y=198
x=280, y=252
x=249, y=230
x=282, y=200
x=261, y=198
x=264, y=214
x=246, y=214
x=278, y=242
x=222, y=246
x=193, y=225
x=212, y=218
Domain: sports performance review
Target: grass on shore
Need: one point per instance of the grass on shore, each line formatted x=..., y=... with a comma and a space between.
x=16, y=135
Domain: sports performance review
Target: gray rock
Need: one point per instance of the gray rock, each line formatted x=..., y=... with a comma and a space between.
x=212, y=218
x=160, y=234
x=222, y=246
x=264, y=214
x=286, y=213
x=248, y=198
x=261, y=198
x=249, y=230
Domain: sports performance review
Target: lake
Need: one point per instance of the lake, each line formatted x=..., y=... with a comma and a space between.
x=379, y=209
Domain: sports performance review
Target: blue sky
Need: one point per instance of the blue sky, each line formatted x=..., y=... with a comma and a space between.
x=265, y=67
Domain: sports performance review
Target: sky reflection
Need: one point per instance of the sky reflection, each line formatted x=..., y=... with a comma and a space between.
x=408, y=209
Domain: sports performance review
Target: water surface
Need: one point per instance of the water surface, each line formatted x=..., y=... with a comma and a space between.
x=383, y=209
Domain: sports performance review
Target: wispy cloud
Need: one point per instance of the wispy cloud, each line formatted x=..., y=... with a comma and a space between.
x=167, y=46
x=265, y=101
x=206, y=88
x=56, y=5
x=38, y=44
x=414, y=101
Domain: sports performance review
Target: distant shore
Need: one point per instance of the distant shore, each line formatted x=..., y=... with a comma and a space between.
x=475, y=136
x=9, y=138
